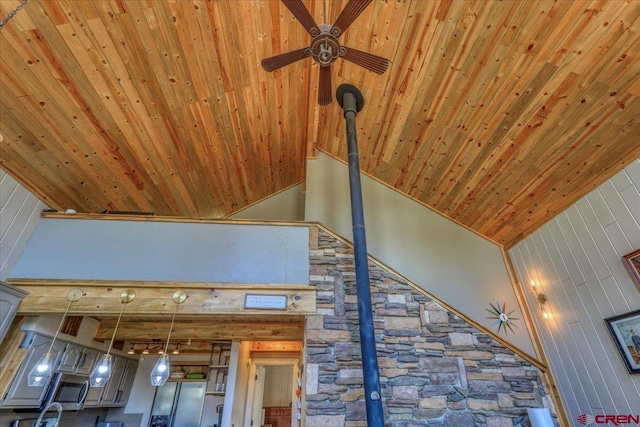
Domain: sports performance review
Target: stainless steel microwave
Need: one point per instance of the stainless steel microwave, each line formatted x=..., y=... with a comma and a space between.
x=68, y=390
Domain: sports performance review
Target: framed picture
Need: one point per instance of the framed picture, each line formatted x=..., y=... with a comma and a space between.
x=625, y=331
x=632, y=262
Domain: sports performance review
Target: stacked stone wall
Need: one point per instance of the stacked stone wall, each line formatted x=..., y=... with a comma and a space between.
x=435, y=368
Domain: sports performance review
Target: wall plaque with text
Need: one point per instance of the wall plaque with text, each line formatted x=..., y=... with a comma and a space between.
x=266, y=302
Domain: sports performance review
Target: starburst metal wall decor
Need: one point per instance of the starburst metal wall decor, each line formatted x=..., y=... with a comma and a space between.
x=502, y=318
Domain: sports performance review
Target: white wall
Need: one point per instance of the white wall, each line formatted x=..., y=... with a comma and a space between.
x=459, y=267
x=576, y=261
x=19, y=215
x=288, y=205
x=104, y=249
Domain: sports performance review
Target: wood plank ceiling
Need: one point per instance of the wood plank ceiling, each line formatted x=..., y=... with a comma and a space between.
x=498, y=114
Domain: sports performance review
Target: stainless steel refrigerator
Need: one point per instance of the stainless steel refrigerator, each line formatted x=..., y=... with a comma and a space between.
x=178, y=404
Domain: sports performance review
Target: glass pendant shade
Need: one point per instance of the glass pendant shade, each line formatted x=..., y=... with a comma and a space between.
x=101, y=373
x=41, y=372
x=160, y=372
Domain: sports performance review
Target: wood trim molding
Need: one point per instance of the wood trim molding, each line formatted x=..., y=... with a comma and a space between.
x=536, y=339
x=160, y=218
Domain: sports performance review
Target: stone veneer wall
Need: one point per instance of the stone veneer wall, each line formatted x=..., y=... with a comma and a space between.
x=435, y=368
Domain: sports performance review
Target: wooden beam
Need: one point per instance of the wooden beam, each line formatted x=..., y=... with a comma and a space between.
x=207, y=330
x=292, y=346
x=102, y=298
x=12, y=355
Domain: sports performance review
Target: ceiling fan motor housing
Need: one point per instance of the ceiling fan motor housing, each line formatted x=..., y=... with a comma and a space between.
x=325, y=48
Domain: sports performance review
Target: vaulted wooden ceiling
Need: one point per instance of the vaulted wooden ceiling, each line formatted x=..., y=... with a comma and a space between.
x=498, y=114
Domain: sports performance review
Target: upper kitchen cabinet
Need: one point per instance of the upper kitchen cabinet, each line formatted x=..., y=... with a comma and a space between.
x=20, y=394
x=78, y=359
x=118, y=389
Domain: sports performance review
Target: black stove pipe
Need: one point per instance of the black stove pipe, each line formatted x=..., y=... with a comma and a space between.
x=352, y=101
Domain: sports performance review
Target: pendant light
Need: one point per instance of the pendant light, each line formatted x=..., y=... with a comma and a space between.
x=160, y=372
x=41, y=372
x=102, y=372
x=146, y=350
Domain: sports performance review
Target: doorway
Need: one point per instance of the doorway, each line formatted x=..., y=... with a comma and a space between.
x=273, y=393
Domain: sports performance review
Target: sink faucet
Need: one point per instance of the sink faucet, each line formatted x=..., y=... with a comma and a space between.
x=52, y=405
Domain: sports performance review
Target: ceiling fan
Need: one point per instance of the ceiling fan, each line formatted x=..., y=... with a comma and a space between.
x=325, y=47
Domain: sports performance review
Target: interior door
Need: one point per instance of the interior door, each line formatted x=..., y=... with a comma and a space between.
x=258, y=396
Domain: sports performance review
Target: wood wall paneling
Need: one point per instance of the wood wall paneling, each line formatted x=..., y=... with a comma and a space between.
x=577, y=260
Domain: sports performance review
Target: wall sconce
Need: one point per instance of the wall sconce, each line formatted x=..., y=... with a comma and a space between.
x=542, y=299
x=102, y=372
x=41, y=372
x=160, y=372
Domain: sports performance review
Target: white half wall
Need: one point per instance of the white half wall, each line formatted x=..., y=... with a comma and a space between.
x=103, y=249
x=575, y=259
x=454, y=264
x=19, y=215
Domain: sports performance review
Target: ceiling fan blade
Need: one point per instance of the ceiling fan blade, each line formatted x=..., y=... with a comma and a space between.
x=371, y=62
x=351, y=11
x=278, y=61
x=324, y=86
x=301, y=13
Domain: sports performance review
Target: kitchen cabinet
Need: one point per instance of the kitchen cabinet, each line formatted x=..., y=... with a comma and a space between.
x=10, y=299
x=77, y=359
x=112, y=389
x=70, y=356
x=127, y=382
x=20, y=394
x=118, y=389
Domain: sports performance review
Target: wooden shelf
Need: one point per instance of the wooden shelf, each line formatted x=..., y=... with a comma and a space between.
x=214, y=393
x=186, y=380
x=218, y=366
